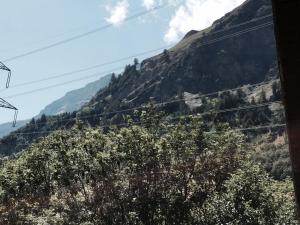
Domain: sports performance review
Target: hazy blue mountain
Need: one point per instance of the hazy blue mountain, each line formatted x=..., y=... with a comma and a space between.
x=72, y=101
x=75, y=99
x=6, y=128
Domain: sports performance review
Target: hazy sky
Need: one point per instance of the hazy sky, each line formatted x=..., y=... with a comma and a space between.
x=33, y=24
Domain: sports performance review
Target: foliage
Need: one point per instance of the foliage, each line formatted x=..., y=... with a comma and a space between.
x=153, y=173
x=250, y=198
x=275, y=160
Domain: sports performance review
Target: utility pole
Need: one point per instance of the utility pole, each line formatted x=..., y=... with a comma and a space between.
x=3, y=103
x=287, y=32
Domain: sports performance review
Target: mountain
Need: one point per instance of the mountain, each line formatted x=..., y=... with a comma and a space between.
x=75, y=99
x=204, y=61
x=238, y=49
x=6, y=128
x=72, y=101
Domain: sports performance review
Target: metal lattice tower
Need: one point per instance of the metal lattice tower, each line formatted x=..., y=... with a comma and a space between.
x=3, y=103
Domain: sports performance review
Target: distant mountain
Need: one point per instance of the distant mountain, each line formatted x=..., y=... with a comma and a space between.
x=75, y=99
x=6, y=128
x=72, y=101
x=210, y=60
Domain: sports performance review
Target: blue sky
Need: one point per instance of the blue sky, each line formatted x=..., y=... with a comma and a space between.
x=31, y=24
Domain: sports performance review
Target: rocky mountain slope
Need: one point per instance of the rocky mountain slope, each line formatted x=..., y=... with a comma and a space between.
x=225, y=55
x=197, y=64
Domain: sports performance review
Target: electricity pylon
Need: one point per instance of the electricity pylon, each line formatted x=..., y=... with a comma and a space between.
x=3, y=103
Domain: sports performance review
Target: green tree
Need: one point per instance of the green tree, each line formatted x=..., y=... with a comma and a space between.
x=149, y=172
x=166, y=56
x=250, y=197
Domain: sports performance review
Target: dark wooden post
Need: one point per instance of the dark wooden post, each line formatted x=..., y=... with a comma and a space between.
x=287, y=32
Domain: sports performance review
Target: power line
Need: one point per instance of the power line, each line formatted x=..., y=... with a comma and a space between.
x=202, y=44
x=132, y=56
x=241, y=24
x=283, y=125
x=241, y=108
x=89, y=68
x=236, y=34
x=223, y=91
x=237, y=109
x=64, y=83
x=239, y=33
x=83, y=34
x=163, y=104
x=214, y=32
x=174, y=118
x=3, y=103
x=262, y=127
x=3, y=67
x=71, y=30
x=104, y=28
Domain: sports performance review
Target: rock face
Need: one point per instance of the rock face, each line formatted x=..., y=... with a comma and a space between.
x=236, y=50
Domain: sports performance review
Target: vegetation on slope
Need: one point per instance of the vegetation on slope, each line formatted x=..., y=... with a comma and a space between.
x=43, y=126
